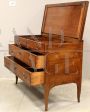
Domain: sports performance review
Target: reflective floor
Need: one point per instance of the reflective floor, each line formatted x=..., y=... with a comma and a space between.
x=20, y=98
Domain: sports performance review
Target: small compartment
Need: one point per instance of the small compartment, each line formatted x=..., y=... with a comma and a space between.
x=29, y=75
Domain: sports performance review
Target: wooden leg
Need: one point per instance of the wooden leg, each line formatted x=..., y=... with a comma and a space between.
x=46, y=94
x=78, y=91
x=16, y=79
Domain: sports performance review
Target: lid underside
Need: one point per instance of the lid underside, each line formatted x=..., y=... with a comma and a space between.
x=67, y=19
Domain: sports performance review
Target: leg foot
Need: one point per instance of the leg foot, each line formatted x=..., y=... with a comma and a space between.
x=78, y=91
x=16, y=79
x=46, y=94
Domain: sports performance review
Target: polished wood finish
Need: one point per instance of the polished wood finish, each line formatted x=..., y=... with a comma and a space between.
x=31, y=58
x=42, y=43
x=30, y=76
x=56, y=54
x=69, y=18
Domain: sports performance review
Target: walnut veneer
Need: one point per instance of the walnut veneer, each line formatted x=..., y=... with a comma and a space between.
x=54, y=57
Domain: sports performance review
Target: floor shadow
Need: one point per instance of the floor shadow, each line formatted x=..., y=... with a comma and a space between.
x=36, y=95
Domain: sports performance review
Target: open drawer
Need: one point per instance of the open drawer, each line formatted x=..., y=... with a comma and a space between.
x=35, y=42
x=33, y=59
x=44, y=44
x=29, y=75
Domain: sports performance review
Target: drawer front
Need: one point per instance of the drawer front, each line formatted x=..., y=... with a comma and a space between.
x=20, y=41
x=37, y=78
x=10, y=64
x=23, y=74
x=23, y=71
x=33, y=59
x=36, y=45
x=16, y=51
x=45, y=46
x=30, y=43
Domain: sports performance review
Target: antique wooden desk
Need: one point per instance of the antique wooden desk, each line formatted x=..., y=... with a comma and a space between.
x=54, y=57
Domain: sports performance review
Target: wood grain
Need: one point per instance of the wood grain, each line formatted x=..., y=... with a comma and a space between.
x=57, y=53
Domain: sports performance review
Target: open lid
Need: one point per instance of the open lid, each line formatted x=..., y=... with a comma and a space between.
x=68, y=18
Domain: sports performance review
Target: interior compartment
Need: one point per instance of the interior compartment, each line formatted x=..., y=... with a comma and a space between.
x=29, y=50
x=24, y=65
x=53, y=37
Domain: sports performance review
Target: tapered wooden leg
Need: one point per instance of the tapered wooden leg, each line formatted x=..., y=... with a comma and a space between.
x=78, y=91
x=16, y=79
x=46, y=95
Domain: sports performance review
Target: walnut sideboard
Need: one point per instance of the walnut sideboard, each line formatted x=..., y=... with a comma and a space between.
x=54, y=57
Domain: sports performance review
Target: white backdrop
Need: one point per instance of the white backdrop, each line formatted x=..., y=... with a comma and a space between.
x=29, y=14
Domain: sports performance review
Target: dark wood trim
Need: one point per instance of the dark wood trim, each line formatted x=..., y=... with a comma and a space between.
x=16, y=79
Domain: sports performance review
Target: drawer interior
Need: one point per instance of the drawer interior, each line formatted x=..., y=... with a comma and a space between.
x=23, y=64
x=29, y=50
x=45, y=38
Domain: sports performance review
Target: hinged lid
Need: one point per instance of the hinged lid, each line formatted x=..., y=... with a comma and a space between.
x=68, y=18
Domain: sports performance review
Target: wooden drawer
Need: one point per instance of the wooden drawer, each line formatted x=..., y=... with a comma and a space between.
x=29, y=75
x=30, y=42
x=10, y=64
x=36, y=45
x=20, y=40
x=43, y=45
x=33, y=59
